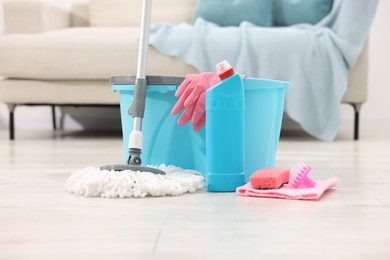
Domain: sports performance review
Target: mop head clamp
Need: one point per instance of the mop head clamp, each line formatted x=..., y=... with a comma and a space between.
x=134, y=168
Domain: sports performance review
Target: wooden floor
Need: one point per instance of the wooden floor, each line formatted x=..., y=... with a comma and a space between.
x=38, y=220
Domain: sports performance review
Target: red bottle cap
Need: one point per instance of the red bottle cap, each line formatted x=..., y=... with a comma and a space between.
x=224, y=70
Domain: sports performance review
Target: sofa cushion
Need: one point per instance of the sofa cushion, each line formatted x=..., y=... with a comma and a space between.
x=26, y=16
x=290, y=12
x=81, y=53
x=128, y=12
x=232, y=13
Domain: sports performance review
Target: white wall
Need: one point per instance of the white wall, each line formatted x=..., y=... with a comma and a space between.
x=1, y=18
x=375, y=113
x=377, y=109
x=2, y=107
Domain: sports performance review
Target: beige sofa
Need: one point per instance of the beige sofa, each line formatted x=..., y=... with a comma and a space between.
x=64, y=54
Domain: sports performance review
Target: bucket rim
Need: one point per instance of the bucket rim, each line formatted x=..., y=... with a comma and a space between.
x=265, y=83
x=159, y=88
x=124, y=83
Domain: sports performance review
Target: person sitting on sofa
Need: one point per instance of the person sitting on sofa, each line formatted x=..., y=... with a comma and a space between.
x=314, y=56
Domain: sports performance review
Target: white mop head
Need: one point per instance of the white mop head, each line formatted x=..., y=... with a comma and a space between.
x=93, y=182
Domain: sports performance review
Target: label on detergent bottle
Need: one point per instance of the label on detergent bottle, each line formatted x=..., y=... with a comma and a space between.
x=225, y=132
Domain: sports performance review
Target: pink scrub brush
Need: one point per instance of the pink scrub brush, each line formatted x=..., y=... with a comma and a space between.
x=298, y=177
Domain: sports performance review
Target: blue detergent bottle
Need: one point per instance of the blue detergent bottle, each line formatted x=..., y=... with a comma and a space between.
x=225, y=132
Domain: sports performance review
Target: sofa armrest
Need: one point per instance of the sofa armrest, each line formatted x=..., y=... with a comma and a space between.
x=35, y=16
x=356, y=92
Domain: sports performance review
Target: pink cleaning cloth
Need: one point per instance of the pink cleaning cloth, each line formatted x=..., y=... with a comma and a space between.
x=290, y=193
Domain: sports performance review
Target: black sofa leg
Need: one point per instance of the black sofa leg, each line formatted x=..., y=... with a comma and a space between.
x=11, y=108
x=62, y=118
x=53, y=113
x=356, y=108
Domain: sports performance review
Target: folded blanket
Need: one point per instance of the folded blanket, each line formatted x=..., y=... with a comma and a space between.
x=314, y=58
x=290, y=193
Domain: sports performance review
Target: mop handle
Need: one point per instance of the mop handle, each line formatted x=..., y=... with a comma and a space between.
x=144, y=39
x=137, y=107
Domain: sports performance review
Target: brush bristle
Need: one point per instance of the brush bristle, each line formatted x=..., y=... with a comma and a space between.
x=298, y=172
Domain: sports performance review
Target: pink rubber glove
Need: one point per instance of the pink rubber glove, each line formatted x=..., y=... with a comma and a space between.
x=192, y=97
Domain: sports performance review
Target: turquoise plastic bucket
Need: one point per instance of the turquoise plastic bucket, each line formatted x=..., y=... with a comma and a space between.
x=167, y=142
x=264, y=103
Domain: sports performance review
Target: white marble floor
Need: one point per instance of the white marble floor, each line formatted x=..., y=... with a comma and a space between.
x=38, y=220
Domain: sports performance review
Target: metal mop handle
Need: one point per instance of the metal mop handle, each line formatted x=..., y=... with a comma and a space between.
x=144, y=39
x=137, y=108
